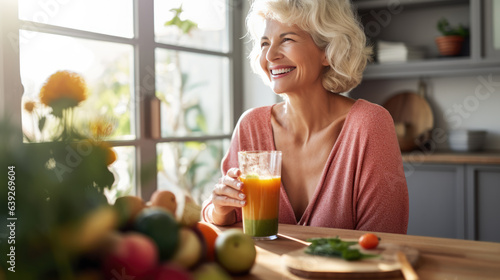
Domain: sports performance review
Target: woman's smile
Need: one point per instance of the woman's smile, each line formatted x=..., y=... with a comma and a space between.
x=279, y=72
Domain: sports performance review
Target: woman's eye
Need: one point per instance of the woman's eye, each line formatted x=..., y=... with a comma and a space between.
x=263, y=44
x=287, y=39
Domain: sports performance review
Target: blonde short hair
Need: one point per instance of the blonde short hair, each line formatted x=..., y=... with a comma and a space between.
x=334, y=28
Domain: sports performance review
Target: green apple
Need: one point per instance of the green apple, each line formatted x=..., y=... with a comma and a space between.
x=235, y=251
x=210, y=271
x=190, y=249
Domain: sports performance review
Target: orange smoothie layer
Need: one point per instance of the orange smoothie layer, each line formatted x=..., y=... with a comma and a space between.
x=262, y=196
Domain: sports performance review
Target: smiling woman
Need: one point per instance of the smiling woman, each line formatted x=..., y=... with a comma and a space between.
x=342, y=166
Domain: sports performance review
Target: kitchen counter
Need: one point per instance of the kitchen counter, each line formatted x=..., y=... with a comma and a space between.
x=483, y=157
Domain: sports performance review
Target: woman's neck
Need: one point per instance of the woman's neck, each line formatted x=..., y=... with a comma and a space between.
x=309, y=112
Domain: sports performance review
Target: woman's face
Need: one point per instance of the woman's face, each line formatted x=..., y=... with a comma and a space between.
x=290, y=58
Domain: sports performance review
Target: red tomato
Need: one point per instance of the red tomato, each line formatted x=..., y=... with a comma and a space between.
x=368, y=241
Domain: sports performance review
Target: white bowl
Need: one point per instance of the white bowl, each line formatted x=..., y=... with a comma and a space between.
x=466, y=140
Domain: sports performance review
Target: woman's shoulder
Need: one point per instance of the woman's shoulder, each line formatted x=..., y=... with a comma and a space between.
x=369, y=118
x=256, y=116
x=364, y=112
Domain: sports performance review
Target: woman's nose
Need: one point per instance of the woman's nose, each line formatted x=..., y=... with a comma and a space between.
x=273, y=53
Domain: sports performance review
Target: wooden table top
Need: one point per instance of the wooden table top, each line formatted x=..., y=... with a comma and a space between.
x=440, y=258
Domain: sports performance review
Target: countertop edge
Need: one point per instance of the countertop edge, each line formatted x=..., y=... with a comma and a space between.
x=450, y=157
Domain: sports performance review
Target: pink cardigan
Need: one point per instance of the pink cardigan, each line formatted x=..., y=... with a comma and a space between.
x=362, y=185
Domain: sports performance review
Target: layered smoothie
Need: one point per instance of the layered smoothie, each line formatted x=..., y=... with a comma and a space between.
x=260, y=214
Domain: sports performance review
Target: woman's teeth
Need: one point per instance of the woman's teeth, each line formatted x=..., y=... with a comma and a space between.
x=281, y=71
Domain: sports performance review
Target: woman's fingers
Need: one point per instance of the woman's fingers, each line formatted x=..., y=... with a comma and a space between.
x=231, y=179
x=234, y=172
x=225, y=201
x=225, y=195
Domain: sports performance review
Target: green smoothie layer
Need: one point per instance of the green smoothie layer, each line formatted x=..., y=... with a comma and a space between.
x=261, y=228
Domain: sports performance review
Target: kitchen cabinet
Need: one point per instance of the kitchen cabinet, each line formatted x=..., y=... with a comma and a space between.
x=483, y=202
x=414, y=23
x=437, y=200
x=454, y=200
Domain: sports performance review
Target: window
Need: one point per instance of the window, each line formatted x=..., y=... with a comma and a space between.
x=169, y=91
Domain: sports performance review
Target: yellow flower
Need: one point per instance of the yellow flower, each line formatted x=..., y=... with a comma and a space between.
x=101, y=127
x=62, y=90
x=29, y=106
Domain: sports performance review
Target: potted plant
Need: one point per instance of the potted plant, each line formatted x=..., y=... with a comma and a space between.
x=452, y=39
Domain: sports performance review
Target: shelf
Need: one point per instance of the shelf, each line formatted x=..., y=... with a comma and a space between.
x=413, y=22
x=435, y=68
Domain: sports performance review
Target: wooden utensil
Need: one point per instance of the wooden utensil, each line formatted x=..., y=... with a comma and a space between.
x=386, y=265
x=406, y=268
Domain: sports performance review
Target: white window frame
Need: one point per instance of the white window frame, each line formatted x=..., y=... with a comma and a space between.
x=144, y=45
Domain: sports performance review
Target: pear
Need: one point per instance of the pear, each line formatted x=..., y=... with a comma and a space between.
x=191, y=213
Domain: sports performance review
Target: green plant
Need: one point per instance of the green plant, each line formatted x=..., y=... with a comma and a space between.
x=446, y=29
x=191, y=171
x=53, y=189
x=184, y=25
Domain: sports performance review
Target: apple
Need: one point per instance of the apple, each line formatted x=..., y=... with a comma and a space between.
x=169, y=271
x=134, y=255
x=190, y=249
x=235, y=251
x=210, y=271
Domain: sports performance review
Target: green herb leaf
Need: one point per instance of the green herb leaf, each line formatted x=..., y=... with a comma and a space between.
x=335, y=247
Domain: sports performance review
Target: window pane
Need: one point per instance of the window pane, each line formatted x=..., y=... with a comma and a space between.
x=194, y=90
x=106, y=68
x=112, y=17
x=211, y=31
x=190, y=166
x=124, y=170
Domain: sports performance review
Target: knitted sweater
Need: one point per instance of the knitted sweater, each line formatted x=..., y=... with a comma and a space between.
x=362, y=186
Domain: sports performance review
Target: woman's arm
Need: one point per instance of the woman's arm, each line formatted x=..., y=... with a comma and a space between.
x=382, y=193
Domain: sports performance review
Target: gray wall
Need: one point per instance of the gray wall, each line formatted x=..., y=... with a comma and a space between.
x=470, y=102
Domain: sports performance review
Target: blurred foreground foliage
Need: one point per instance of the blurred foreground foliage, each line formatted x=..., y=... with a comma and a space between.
x=57, y=186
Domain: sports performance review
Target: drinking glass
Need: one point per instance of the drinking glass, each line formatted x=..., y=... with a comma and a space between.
x=261, y=177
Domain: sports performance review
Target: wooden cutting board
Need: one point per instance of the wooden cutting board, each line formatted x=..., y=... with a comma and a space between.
x=383, y=266
x=413, y=118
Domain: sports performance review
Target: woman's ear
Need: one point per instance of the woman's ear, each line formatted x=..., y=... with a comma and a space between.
x=325, y=61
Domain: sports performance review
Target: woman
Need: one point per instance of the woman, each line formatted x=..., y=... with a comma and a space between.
x=342, y=166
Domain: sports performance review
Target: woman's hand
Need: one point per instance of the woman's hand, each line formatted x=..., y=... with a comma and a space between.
x=226, y=196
